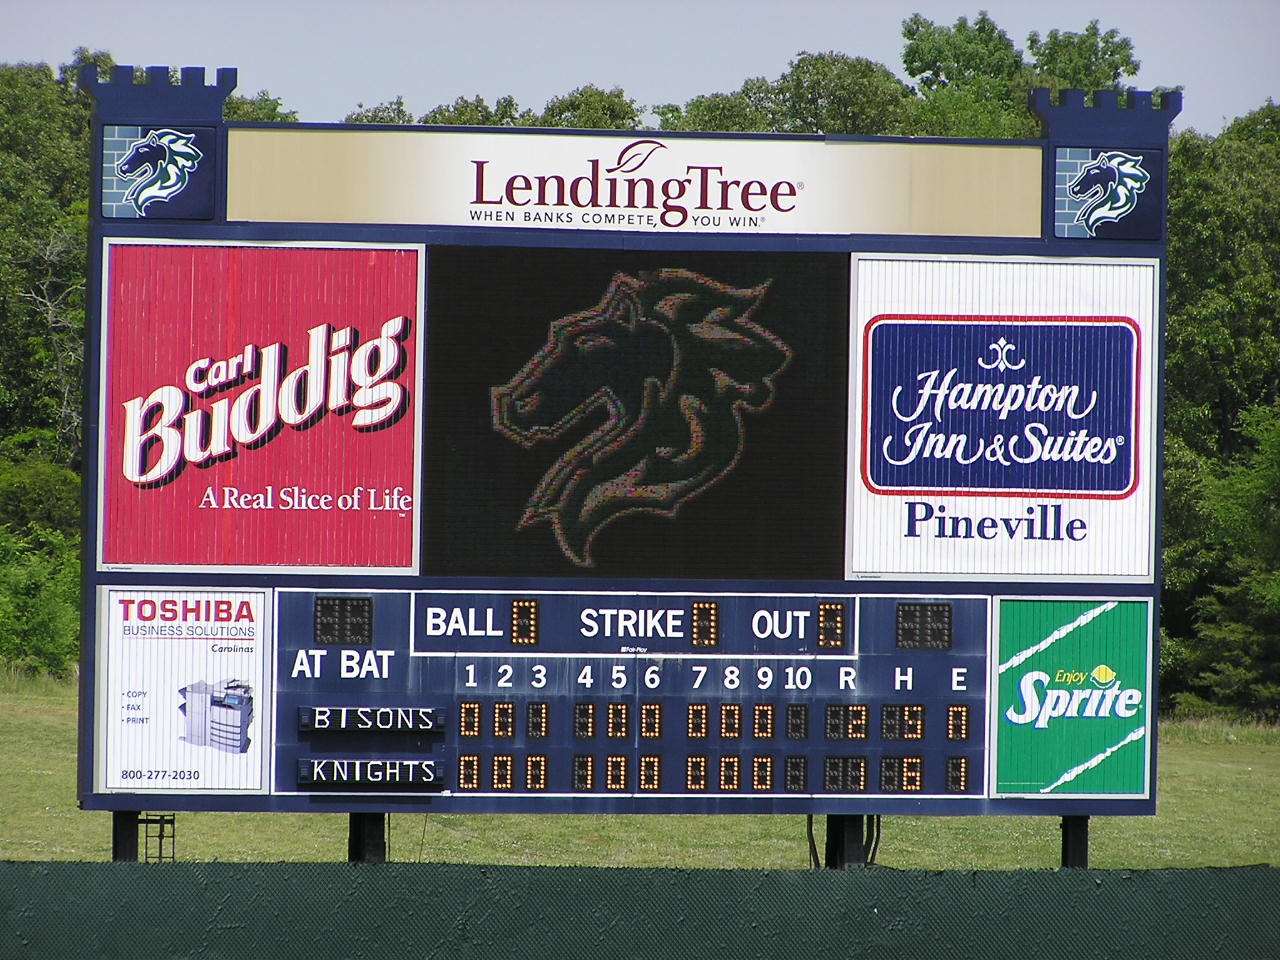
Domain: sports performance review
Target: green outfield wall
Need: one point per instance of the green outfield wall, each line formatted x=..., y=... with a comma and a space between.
x=320, y=911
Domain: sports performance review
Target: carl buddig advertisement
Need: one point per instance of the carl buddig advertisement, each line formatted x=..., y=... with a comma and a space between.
x=260, y=406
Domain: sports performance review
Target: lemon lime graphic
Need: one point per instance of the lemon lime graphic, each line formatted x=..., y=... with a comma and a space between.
x=1102, y=675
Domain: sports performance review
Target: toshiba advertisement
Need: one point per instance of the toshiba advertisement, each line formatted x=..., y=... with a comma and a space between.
x=260, y=406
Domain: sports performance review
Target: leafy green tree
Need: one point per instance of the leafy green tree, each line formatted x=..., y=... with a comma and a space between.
x=962, y=111
x=34, y=490
x=1091, y=60
x=44, y=183
x=1222, y=379
x=1223, y=280
x=389, y=111
x=590, y=108
x=746, y=110
x=833, y=93
x=262, y=107
x=586, y=108
x=39, y=600
x=476, y=112
x=819, y=93
x=44, y=197
x=978, y=55
x=1260, y=126
x=1236, y=659
x=973, y=80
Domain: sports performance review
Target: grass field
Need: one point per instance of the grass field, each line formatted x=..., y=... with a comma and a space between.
x=1219, y=806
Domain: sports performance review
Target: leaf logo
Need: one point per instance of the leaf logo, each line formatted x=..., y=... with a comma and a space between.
x=633, y=156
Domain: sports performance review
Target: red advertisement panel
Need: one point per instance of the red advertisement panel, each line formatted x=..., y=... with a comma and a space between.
x=260, y=406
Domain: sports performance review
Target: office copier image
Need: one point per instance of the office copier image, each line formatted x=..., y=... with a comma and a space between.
x=218, y=714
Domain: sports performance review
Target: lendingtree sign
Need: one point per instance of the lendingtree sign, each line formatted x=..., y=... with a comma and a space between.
x=504, y=471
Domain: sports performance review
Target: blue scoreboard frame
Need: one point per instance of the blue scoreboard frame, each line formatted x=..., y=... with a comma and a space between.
x=691, y=702
x=742, y=648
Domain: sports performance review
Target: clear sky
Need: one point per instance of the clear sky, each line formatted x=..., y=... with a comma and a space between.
x=322, y=57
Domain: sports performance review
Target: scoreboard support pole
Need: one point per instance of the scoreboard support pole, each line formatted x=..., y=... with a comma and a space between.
x=851, y=839
x=124, y=835
x=1075, y=842
x=367, y=838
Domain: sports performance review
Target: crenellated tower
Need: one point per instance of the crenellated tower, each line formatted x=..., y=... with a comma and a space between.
x=123, y=100
x=1105, y=163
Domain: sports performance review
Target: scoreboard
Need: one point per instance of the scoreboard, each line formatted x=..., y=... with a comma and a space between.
x=661, y=702
x=507, y=471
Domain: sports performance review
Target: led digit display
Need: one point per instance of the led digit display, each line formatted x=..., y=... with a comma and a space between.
x=706, y=624
x=924, y=626
x=698, y=720
x=901, y=721
x=650, y=773
x=912, y=774
x=524, y=622
x=537, y=722
x=762, y=721
x=503, y=771
x=901, y=774
x=797, y=721
x=584, y=773
x=650, y=720
x=343, y=621
x=535, y=772
x=958, y=721
x=831, y=625
x=796, y=774
x=616, y=772
x=762, y=773
x=957, y=774
x=619, y=717
x=730, y=773
x=695, y=777
x=469, y=771
x=730, y=721
x=584, y=720
x=846, y=721
x=844, y=774
x=504, y=720
x=469, y=718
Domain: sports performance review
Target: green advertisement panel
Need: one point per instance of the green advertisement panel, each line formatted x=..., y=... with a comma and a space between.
x=1072, y=714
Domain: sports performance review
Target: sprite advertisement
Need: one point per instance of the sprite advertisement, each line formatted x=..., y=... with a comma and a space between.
x=1072, y=715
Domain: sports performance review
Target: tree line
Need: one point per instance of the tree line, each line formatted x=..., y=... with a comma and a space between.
x=1220, y=649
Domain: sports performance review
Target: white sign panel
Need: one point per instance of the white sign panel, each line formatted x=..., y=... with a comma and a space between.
x=184, y=706
x=649, y=184
x=1002, y=419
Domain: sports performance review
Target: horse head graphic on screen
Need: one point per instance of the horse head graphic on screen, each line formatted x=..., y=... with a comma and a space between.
x=160, y=166
x=1109, y=186
x=657, y=375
